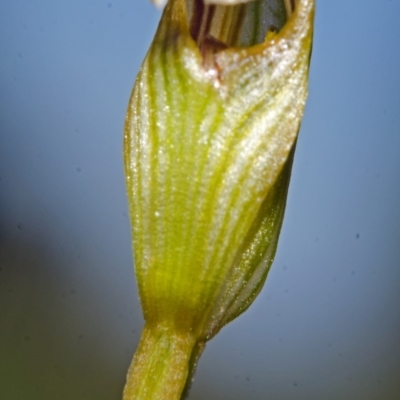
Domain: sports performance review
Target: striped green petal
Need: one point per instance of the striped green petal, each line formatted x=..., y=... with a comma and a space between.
x=204, y=157
x=208, y=150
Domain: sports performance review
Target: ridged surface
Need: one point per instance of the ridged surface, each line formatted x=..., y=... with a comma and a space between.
x=207, y=164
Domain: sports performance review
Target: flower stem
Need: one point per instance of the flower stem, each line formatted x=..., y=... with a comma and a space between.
x=161, y=366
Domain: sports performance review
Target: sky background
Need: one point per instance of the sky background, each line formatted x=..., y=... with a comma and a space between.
x=327, y=324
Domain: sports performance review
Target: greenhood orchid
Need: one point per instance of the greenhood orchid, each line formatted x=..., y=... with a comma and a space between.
x=209, y=140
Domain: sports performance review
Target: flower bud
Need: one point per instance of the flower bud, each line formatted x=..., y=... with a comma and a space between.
x=209, y=142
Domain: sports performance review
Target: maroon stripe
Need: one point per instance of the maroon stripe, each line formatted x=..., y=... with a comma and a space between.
x=197, y=17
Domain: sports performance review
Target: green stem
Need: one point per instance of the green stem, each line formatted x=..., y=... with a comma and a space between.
x=161, y=365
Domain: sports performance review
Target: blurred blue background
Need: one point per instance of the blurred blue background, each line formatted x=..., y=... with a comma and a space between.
x=327, y=324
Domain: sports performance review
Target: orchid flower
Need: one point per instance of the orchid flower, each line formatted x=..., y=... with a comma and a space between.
x=209, y=141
